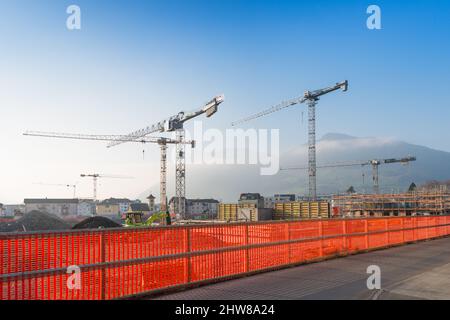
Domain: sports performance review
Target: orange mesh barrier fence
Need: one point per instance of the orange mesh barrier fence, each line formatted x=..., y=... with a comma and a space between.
x=118, y=263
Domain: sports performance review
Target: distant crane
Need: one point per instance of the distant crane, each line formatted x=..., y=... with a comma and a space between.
x=375, y=163
x=161, y=141
x=311, y=98
x=73, y=186
x=95, y=177
x=175, y=124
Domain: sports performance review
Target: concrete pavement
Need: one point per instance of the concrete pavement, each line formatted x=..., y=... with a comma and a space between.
x=414, y=271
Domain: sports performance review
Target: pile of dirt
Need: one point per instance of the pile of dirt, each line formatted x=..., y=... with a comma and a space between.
x=35, y=221
x=96, y=223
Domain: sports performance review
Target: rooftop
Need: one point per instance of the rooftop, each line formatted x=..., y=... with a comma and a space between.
x=139, y=207
x=116, y=201
x=50, y=201
x=203, y=200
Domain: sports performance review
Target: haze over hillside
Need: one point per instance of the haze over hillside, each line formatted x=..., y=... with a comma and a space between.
x=231, y=180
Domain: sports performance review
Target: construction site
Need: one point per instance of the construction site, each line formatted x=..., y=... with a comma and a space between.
x=170, y=250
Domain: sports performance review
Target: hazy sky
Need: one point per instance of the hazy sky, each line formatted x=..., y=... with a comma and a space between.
x=136, y=62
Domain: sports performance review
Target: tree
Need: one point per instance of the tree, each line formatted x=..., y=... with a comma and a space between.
x=351, y=190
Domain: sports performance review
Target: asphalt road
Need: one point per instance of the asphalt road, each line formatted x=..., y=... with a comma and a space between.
x=414, y=271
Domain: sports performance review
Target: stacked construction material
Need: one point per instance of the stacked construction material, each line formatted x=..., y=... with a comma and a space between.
x=243, y=212
x=228, y=212
x=296, y=210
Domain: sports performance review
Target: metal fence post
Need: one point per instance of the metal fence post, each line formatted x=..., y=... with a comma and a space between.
x=188, y=249
x=288, y=231
x=246, y=267
x=344, y=232
x=415, y=228
x=386, y=228
x=103, y=271
x=403, y=229
x=321, y=240
x=366, y=231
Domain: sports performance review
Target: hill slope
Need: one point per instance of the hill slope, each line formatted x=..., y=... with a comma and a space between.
x=227, y=182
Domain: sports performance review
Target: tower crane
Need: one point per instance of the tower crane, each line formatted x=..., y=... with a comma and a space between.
x=175, y=124
x=311, y=98
x=73, y=186
x=375, y=163
x=95, y=177
x=161, y=141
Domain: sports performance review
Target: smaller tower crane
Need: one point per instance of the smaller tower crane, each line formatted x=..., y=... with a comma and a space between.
x=73, y=186
x=95, y=177
x=375, y=163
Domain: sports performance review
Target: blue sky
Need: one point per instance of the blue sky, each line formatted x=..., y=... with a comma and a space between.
x=136, y=62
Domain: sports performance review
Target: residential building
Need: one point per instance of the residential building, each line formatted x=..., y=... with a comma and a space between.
x=86, y=208
x=114, y=206
x=140, y=207
x=201, y=208
x=106, y=209
x=11, y=210
x=284, y=197
x=59, y=207
x=197, y=208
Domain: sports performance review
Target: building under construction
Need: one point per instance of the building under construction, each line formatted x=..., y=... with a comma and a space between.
x=435, y=202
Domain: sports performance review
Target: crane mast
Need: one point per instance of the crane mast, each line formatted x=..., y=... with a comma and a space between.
x=95, y=177
x=375, y=163
x=180, y=179
x=311, y=98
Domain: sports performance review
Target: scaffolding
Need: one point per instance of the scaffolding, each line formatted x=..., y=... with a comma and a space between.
x=431, y=202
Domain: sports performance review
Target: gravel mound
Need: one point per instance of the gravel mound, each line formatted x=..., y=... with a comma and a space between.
x=35, y=221
x=96, y=223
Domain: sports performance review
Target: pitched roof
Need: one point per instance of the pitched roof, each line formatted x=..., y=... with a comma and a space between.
x=139, y=207
x=116, y=201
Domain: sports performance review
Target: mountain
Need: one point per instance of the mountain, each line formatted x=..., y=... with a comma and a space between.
x=226, y=182
x=336, y=136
